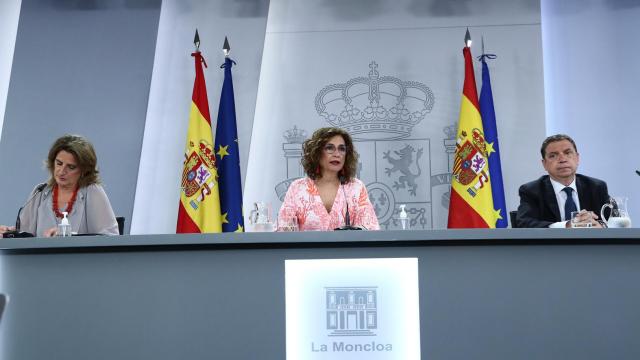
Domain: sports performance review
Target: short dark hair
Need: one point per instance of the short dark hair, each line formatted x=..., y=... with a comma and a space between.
x=554, y=138
x=312, y=152
x=84, y=154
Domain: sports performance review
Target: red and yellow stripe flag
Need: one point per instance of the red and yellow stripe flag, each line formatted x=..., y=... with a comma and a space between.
x=471, y=203
x=199, y=209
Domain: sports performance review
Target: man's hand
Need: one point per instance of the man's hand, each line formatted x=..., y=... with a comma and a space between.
x=595, y=222
x=585, y=219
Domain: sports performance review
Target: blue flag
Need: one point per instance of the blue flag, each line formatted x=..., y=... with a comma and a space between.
x=488, y=115
x=228, y=157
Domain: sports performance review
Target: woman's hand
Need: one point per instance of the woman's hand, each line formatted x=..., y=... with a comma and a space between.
x=51, y=232
x=5, y=228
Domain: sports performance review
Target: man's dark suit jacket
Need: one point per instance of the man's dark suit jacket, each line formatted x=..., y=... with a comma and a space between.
x=539, y=206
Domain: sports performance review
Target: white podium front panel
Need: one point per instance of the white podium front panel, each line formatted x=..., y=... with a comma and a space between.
x=352, y=309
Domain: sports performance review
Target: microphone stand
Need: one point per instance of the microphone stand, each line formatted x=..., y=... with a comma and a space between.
x=17, y=233
x=347, y=218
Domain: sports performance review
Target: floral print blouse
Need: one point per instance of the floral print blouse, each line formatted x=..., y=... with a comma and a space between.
x=302, y=204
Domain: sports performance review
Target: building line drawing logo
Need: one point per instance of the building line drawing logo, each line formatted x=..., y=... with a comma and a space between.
x=351, y=311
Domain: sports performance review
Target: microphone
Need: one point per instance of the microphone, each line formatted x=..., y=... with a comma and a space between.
x=347, y=218
x=16, y=233
x=638, y=172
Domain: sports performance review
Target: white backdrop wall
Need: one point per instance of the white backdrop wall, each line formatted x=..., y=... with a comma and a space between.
x=589, y=81
x=592, y=69
x=313, y=45
x=158, y=188
x=9, y=15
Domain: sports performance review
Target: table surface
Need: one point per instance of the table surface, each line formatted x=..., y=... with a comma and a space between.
x=334, y=238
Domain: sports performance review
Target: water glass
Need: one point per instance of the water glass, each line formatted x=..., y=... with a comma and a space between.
x=288, y=224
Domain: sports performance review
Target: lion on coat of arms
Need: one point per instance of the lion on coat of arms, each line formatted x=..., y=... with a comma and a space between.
x=402, y=164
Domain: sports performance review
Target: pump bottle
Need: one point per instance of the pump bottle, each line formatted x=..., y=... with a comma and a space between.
x=404, y=219
x=64, y=228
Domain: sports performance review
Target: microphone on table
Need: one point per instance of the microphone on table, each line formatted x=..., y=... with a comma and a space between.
x=17, y=233
x=347, y=218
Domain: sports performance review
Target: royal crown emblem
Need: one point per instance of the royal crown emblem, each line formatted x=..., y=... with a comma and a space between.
x=470, y=165
x=450, y=131
x=375, y=107
x=295, y=135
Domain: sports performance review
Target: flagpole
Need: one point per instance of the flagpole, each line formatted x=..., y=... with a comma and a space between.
x=226, y=49
x=467, y=39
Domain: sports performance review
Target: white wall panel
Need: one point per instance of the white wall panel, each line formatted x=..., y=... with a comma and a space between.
x=591, y=62
x=9, y=15
x=312, y=45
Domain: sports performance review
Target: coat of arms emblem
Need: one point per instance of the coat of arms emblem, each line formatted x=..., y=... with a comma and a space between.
x=199, y=171
x=470, y=164
x=381, y=112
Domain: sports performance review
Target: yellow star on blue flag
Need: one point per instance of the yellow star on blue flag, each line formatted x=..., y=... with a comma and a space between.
x=222, y=151
x=490, y=149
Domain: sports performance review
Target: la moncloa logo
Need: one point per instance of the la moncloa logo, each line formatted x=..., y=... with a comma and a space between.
x=352, y=311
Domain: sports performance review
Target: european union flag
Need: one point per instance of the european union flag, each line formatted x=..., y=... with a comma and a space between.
x=488, y=115
x=228, y=156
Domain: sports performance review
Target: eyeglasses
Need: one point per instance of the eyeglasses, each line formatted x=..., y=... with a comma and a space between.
x=330, y=149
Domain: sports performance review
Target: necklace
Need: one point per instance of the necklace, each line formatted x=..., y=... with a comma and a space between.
x=56, y=208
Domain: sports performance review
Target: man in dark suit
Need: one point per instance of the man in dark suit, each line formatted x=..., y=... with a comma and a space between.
x=549, y=200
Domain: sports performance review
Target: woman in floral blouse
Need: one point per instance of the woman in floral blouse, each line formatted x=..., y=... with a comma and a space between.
x=318, y=202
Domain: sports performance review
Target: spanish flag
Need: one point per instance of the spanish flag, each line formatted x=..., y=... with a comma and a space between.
x=199, y=209
x=471, y=203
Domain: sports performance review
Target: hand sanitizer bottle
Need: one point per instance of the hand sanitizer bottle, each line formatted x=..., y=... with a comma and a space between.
x=404, y=219
x=64, y=228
